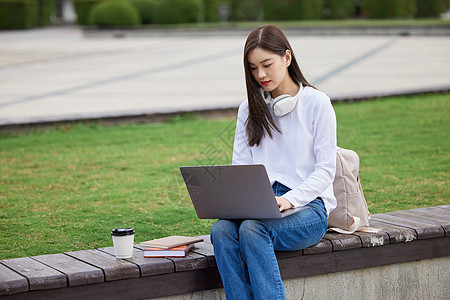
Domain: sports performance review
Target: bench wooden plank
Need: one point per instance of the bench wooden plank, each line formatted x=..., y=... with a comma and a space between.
x=147, y=266
x=207, y=250
x=202, y=253
x=444, y=223
x=136, y=288
x=433, y=211
x=321, y=247
x=442, y=209
x=114, y=269
x=11, y=282
x=192, y=261
x=283, y=254
x=39, y=276
x=206, y=238
x=424, y=230
x=291, y=267
x=77, y=272
x=397, y=234
x=445, y=207
x=432, y=214
x=369, y=239
x=435, y=214
x=343, y=241
x=336, y=261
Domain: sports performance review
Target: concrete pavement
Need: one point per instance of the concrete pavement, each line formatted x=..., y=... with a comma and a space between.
x=57, y=74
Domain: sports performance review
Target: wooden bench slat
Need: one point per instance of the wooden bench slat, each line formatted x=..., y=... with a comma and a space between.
x=431, y=215
x=444, y=223
x=424, y=230
x=284, y=254
x=148, y=287
x=321, y=247
x=207, y=250
x=192, y=261
x=11, y=282
x=446, y=207
x=77, y=272
x=343, y=241
x=40, y=276
x=337, y=261
x=114, y=269
x=397, y=234
x=373, y=239
x=433, y=211
x=147, y=266
x=206, y=238
x=204, y=248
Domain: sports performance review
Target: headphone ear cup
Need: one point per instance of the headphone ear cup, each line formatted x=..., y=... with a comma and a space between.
x=283, y=105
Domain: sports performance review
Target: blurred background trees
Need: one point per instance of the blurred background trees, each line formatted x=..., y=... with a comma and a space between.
x=22, y=14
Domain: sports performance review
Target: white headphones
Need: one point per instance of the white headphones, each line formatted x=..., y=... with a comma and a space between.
x=282, y=104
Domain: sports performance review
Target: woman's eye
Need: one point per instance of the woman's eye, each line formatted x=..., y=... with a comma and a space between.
x=266, y=66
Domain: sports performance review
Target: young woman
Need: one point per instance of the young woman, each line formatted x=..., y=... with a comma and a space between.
x=290, y=127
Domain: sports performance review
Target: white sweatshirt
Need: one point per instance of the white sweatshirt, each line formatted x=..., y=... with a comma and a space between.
x=303, y=155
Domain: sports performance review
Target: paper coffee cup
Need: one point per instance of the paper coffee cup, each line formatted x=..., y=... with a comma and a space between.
x=123, y=239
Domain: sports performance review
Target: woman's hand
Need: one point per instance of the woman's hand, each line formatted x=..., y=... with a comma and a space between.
x=283, y=203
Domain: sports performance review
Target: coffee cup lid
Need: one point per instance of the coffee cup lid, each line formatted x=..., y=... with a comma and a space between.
x=122, y=231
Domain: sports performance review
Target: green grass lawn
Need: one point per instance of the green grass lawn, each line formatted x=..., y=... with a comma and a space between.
x=65, y=189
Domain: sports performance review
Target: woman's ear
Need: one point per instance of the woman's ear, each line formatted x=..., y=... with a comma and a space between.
x=288, y=57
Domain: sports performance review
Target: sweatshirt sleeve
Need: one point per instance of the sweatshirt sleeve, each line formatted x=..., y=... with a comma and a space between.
x=241, y=150
x=324, y=147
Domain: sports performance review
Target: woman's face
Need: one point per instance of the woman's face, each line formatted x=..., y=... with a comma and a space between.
x=270, y=70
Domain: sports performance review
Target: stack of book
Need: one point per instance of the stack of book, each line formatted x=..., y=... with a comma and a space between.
x=170, y=246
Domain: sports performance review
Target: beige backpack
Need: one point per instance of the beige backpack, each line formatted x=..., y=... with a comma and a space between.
x=351, y=213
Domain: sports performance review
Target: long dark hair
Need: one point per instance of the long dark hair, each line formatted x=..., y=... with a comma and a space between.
x=269, y=38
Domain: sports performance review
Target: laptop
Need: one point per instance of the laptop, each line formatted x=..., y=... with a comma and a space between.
x=232, y=192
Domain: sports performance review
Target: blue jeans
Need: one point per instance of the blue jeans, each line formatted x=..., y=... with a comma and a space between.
x=245, y=249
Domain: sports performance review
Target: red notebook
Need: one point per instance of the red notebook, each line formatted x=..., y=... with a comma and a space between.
x=180, y=251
